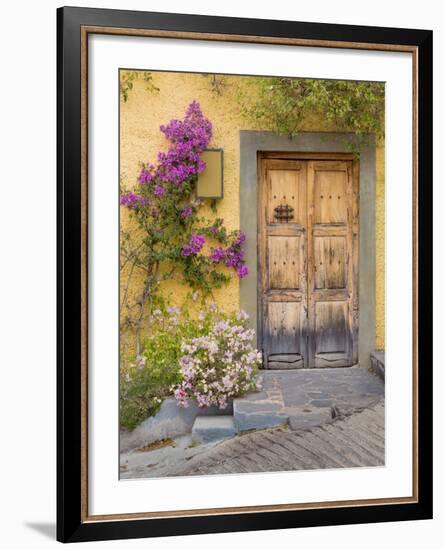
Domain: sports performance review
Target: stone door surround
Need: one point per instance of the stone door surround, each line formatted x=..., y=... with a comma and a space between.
x=253, y=142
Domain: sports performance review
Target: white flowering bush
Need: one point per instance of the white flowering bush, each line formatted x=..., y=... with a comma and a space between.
x=220, y=364
x=205, y=356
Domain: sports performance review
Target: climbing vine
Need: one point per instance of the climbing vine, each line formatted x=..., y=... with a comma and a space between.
x=127, y=79
x=171, y=237
x=283, y=105
x=217, y=82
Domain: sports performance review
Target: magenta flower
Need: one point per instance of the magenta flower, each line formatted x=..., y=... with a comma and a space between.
x=131, y=200
x=159, y=191
x=201, y=165
x=234, y=257
x=197, y=241
x=239, y=239
x=187, y=250
x=217, y=255
x=145, y=177
x=175, y=174
x=186, y=211
x=194, y=246
x=189, y=138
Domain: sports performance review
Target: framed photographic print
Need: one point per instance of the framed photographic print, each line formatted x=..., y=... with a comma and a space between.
x=244, y=274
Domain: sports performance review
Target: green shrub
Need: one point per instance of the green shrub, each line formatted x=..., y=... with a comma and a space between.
x=147, y=381
x=285, y=105
x=163, y=368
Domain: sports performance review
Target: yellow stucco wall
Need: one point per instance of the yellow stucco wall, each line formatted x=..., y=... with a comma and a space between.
x=140, y=140
x=380, y=247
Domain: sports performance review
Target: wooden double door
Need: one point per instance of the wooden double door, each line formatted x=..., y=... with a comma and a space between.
x=308, y=258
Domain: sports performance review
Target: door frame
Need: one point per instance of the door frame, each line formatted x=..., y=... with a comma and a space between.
x=310, y=145
x=352, y=232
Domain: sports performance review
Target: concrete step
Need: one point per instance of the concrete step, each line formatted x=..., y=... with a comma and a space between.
x=251, y=413
x=377, y=361
x=304, y=418
x=213, y=428
x=170, y=421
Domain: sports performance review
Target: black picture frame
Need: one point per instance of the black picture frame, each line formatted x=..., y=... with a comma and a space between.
x=71, y=523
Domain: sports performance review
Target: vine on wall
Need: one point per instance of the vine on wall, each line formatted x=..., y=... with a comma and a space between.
x=171, y=237
x=127, y=79
x=283, y=105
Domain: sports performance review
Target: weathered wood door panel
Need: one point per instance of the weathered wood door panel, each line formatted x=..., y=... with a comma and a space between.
x=284, y=264
x=332, y=261
x=308, y=254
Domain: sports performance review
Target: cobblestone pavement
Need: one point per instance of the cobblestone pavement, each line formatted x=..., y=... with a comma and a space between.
x=305, y=397
x=353, y=441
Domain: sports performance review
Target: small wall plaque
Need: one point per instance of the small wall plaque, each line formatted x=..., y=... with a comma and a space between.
x=210, y=184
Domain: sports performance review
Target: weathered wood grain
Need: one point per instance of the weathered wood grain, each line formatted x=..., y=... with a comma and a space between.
x=283, y=259
x=309, y=264
x=333, y=249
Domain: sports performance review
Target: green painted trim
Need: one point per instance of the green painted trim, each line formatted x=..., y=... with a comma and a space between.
x=251, y=143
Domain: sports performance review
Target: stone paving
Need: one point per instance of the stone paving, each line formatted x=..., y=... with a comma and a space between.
x=354, y=441
x=319, y=418
x=306, y=398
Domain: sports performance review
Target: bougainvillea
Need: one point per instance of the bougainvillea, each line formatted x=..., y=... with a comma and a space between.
x=219, y=364
x=173, y=238
x=165, y=365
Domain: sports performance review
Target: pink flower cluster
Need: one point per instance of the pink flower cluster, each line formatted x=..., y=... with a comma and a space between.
x=189, y=138
x=233, y=256
x=131, y=200
x=165, y=194
x=220, y=365
x=186, y=211
x=194, y=246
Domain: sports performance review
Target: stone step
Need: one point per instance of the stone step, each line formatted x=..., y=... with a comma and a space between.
x=170, y=421
x=377, y=361
x=258, y=414
x=304, y=418
x=213, y=428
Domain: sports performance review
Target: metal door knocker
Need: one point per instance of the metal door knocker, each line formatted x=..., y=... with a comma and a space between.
x=283, y=213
